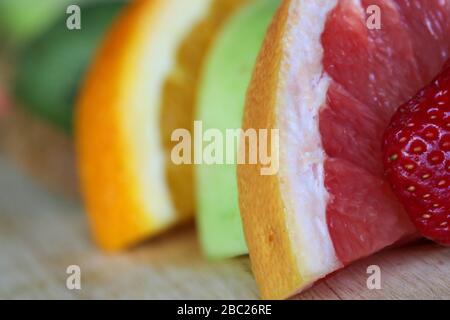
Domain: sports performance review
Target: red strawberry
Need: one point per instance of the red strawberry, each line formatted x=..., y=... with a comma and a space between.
x=417, y=158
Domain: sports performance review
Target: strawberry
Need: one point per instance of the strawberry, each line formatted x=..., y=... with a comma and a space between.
x=417, y=158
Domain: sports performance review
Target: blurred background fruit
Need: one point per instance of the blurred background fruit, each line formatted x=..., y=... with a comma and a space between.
x=42, y=63
x=52, y=66
x=22, y=20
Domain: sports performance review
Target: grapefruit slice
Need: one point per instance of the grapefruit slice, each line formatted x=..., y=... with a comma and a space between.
x=140, y=88
x=330, y=85
x=220, y=107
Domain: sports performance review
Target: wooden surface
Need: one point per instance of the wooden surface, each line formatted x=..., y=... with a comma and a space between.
x=40, y=235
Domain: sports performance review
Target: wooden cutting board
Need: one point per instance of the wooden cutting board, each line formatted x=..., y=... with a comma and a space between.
x=41, y=235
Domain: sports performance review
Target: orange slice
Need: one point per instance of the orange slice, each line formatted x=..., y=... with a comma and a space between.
x=140, y=88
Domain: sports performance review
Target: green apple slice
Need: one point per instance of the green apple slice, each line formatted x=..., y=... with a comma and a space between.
x=227, y=73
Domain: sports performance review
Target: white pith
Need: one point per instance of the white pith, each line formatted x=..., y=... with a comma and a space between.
x=150, y=67
x=301, y=94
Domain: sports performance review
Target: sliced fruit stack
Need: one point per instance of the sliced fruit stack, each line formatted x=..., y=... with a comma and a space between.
x=324, y=79
x=327, y=81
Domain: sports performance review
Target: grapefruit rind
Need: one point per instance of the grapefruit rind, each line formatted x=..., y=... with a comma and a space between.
x=285, y=215
x=268, y=222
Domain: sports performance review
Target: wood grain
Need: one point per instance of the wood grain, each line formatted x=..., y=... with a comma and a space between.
x=41, y=234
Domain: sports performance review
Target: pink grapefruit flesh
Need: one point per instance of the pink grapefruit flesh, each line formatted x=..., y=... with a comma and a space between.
x=372, y=72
